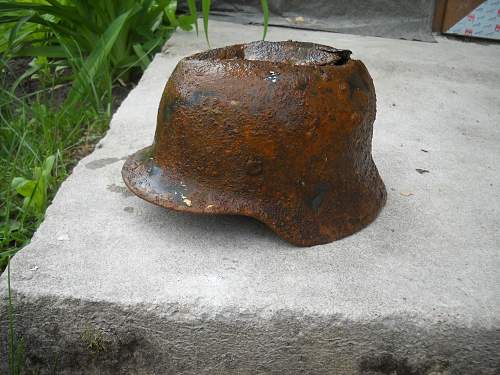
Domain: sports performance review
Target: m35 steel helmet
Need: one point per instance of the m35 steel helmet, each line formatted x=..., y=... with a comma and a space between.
x=278, y=131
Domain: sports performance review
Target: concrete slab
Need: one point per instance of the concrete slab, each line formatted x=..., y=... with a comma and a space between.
x=112, y=284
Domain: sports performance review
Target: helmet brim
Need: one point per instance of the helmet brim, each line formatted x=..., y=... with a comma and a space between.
x=161, y=187
x=164, y=188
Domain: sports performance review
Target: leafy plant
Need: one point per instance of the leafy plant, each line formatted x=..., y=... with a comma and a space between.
x=34, y=190
x=102, y=41
x=35, y=197
x=136, y=28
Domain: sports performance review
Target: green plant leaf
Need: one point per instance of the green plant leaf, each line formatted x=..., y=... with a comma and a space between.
x=142, y=55
x=170, y=10
x=194, y=13
x=205, y=8
x=48, y=164
x=35, y=19
x=159, y=9
x=35, y=191
x=15, y=30
x=28, y=189
x=186, y=22
x=265, y=9
x=23, y=186
x=48, y=51
x=64, y=12
x=38, y=199
x=10, y=19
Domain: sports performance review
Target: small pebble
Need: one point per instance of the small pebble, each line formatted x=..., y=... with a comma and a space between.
x=63, y=237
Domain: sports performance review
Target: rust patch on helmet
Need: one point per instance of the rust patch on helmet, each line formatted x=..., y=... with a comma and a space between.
x=279, y=131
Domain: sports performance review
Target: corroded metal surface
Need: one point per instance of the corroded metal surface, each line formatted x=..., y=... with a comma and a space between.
x=279, y=131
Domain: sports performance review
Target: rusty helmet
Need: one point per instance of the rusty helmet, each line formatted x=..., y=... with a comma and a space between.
x=278, y=131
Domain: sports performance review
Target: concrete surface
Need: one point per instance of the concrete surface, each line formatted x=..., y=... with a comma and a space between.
x=112, y=284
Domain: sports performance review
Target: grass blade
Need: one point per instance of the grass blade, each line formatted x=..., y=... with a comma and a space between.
x=205, y=9
x=28, y=73
x=194, y=13
x=265, y=9
x=16, y=28
x=142, y=55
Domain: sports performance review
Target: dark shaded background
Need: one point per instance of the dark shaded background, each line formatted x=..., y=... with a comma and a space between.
x=406, y=19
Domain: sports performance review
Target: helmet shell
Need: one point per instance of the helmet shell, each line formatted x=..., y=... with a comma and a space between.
x=279, y=131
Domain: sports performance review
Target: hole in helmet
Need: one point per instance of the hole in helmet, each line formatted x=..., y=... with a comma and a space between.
x=288, y=52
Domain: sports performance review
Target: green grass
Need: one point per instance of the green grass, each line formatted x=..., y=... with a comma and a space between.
x=32, y=128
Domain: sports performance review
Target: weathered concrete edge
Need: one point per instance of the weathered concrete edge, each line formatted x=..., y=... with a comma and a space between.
x=86, y=337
